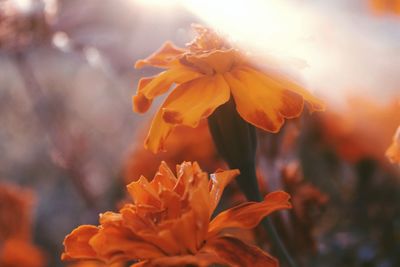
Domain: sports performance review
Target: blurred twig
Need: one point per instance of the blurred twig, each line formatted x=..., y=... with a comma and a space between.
x=41, y=107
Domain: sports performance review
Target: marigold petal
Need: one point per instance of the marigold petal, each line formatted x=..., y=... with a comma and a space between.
x=261, y=101
x=163, y=57
x=237, y=253
x=161, y=83
x=77, y=243
x=141, y=103
x=393, y=152
x=219, y=180
x=158, y=133
x=249, y=214
x=313, y=103
x=182, y=106
x=142, y=193
x=197, y=99
x=219, y=61
x=164, y=178
x=110, y=217
x=114, y=244
x=199, y=202
x=201, y=259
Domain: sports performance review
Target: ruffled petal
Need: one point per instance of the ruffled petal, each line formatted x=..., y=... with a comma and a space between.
x=219, y=180
x=77, y=243
x=262, y=101
x=237, y=253
x=192, y=101
x=163, y=57
x=249, y=214
x=201, y=259
x=164, y=178
x=142, y=193
x=115, y=244
x=219, y=61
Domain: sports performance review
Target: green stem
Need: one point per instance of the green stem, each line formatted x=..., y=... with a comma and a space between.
x=277, y=242
x=236, y=142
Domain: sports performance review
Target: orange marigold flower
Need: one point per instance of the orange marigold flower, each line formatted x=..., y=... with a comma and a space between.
x=393, y=152
x=206, y=74
x=169, y=224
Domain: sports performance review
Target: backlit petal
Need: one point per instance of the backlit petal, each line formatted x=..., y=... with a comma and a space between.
x=140, y=103
x=192, y=101
x=164, y=57
x=187, y=104
x=249, y=214
x=237, y=253
x=77, y=243
x=261, y=101
x=217, y=184
x=160, y=84
x=158, y=133
x=313, y=103
x=218, y=61
x=393, y=152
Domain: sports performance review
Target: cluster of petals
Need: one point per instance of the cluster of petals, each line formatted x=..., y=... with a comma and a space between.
x=207, y=73
x=169, y=224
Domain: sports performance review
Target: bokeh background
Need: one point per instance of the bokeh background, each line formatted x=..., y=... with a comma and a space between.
x=69, y=141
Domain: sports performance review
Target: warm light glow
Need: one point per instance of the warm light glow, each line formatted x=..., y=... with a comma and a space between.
x=330, y=47
x=157, y=3
x=23, y=5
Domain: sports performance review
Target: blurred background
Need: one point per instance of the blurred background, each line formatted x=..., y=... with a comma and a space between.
x=69, y=141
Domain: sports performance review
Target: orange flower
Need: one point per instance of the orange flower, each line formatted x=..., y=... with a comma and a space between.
x=351, y=130
x=385, y=6
x=207, y=73
x=200, y=148
x=393, y=152
x=18, y=252
x=169, y=224
x=15, y=212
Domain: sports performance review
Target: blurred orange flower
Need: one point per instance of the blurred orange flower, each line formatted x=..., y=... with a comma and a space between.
x=385, y=6
x=18, y=253
x=393, y=152
x=169, y=224
x=15, y=209
x=199, y=148
x=207, y=72
x=16, y=249
x=351, y=129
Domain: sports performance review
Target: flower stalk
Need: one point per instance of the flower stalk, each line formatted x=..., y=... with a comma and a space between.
x=236, y=142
